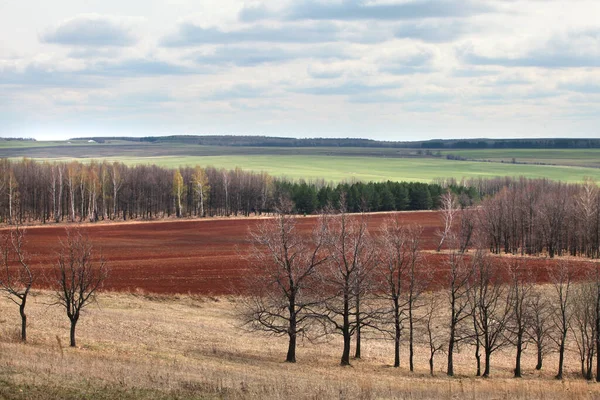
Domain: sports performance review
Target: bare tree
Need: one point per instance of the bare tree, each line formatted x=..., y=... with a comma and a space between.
x=433, y=330
x=351, y=252
x=16, y=277
x=399, y=253
x=459, y=281
x=448, y=210
x=281, y=286
x=561, y=277
x=541, y=329
x=583, y=325
x=201, y=187
x=521, y=285
x=79, y=275
x=178, y=191
x=596, y=281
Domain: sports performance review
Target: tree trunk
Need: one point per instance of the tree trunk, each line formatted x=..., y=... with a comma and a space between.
x=478, y=357
x=292, y=331
x=358, y=322
x=291, y=354
x=518, y=357
x=346, y=354
x=72, y=337
x=561, y=358
x=431, y=365
x=410, y=338
x=397, y=333
x=486, y=372
x=346, y=332
x=540, y=358
x=23, y=319
x=450, y=370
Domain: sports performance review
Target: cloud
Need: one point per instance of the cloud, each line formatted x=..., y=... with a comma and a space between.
x=471, y=73
x=324, y=72
x=345, y=89
x=433, y=31
x=421, y=97
x=240, y=91
x=361, y=10
x=42, y=75
x=193, y=35
x=420, y=62
x=139, y=67
x=581, y=87
x=36, y=74
x=90, y=30
x=243, y=56
x=574, y=50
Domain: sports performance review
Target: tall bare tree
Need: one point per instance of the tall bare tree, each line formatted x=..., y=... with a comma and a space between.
x=16, y=277
x=561, y=276
x=79, y=274
x=394, y=259
x=281, y=287
x=583, y=325
x=201, y=187
x=492, y=306
x=351, y=252
x=459, y=280
x=541, y=329
x=448, y=210
x=522, y=287
x=434, y=333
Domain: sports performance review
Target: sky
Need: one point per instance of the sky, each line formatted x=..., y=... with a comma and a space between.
x=387, y=70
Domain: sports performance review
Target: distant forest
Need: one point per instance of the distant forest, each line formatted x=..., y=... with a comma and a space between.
x=266, y=141
x=32, y=192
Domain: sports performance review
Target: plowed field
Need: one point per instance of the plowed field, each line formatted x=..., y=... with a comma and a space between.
x=196, y=256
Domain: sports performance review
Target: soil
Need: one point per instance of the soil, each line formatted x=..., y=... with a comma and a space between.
x=207, y=256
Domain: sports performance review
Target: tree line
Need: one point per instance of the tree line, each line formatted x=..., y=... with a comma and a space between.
x=44, y=192
x=533, y=217
x=345, y=279
x=269, y=141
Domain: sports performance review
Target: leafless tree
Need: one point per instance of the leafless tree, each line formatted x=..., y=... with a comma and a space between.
x=522, y=288
x=79, y=274
x=351, y=258
x=16, y=277
x=399, y=261
x=561, y=277
x=459, y=280
x=583, y=325
x=541, y=329
x=492, y=306
x=434, y=332
x=281, y=285
x=448, y=210
x=596, y=282
x=468, y=220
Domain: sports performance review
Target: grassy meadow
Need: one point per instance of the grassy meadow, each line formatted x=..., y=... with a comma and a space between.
x=331, y=164
x=141, y=346
x=349, y=168
x=574, y=157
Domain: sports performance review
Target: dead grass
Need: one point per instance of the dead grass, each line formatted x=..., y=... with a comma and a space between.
x=139, y=345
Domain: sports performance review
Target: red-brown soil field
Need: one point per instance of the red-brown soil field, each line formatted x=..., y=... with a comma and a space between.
x=197, y=256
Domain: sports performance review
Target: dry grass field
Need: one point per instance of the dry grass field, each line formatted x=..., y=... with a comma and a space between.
x=137, y=346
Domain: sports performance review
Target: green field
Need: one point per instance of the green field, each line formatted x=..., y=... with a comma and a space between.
x=347, y=168
x=328, y=163
x=587, y=157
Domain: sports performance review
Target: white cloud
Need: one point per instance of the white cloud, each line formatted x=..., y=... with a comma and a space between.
x=92, y=30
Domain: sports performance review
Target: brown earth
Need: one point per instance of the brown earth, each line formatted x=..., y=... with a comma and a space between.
x=196, y=256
